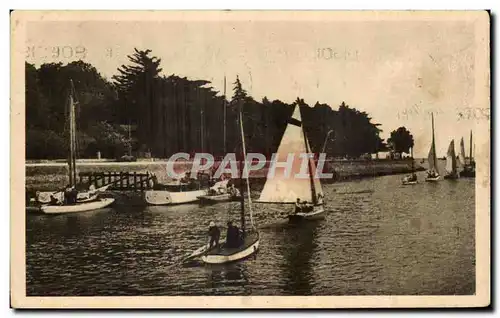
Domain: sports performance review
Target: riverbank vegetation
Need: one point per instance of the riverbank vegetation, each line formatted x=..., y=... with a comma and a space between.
x=142, y=111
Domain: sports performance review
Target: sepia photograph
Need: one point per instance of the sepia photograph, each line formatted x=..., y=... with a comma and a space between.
x=256, y=154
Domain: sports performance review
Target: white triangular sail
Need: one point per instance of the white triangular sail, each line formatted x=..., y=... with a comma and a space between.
x=451, y=162
x=432, y=157
x=461, y=154
x=287, y=189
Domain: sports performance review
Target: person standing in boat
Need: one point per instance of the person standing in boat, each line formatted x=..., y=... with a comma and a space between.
x=214, y=235
x=67, y=194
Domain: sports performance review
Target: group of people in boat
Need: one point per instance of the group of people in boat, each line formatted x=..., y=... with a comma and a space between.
x=432, y=173
x=411, y=178
x=231, y=189
x=234, y=236
x=67, y=196
x=304, y=206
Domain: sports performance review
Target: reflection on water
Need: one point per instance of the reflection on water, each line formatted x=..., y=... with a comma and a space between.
x=378, y=238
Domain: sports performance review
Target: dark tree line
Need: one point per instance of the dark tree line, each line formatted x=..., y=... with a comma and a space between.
x=169, y=114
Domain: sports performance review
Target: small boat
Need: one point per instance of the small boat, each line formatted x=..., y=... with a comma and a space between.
x=248, y=240
x=451, y=162
x=86, y=195
x=433, y=171
x=412, y=178
x=290, y=189
x=468, y=168
x=409, y=180
x=78, y=207
x=316, y=212
x=220, y=192
x=180, y=191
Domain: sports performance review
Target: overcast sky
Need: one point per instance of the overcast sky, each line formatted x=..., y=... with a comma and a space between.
x=396, y=71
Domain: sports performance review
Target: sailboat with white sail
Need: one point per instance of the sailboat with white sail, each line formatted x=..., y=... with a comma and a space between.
x=451, y=162
x=433, y=171
x=72, y=199
x=248, y=240
x=288, y=188
x=468, y=168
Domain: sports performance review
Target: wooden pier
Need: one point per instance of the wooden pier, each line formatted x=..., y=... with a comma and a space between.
x=119, y=181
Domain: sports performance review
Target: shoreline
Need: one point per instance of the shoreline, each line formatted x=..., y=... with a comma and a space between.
x=49, y=175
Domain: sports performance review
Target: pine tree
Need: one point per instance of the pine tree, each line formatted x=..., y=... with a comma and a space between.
x=137, y=90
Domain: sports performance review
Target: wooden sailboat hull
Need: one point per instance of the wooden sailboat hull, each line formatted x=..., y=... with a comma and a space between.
x=432, y=179
x=405, y=182
x=83, y=196
x=218, y=198
x=225, y=255
x=79, y=207
x=317, y=213
x=468, y=174
x=164, y=197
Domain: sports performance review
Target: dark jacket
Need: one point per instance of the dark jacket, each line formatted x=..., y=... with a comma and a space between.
x=214, y=233
x=233, y=236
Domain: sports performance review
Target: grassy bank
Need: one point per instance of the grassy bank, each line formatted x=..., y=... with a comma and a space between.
x=49, y=175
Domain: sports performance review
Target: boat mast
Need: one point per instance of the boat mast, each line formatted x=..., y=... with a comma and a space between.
x=412, y=161
x=225, y=106
x=309, y=167
x=72, y=137
x=201, y=120
x=434, y=157
x=470, y=150
x=242, y=155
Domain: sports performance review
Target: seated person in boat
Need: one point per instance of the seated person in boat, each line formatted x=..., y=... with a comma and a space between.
x=186, y=178
x=298, y=206
x=214, y=235
x=236, y=192
x=306, y=206
x=37, y=197
x=70, y=195
x=55, y=200
x=221, y=190
x=432, y=174
x=233, y=191
x=67, y=194
x=232, y=236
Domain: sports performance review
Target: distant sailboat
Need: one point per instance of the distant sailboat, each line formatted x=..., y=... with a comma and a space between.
x=433, y=171
x=468, y=168
x=461, y=154
x=288, y=188
x=451, y=162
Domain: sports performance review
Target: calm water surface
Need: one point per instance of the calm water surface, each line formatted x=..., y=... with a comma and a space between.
x=378, y=238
